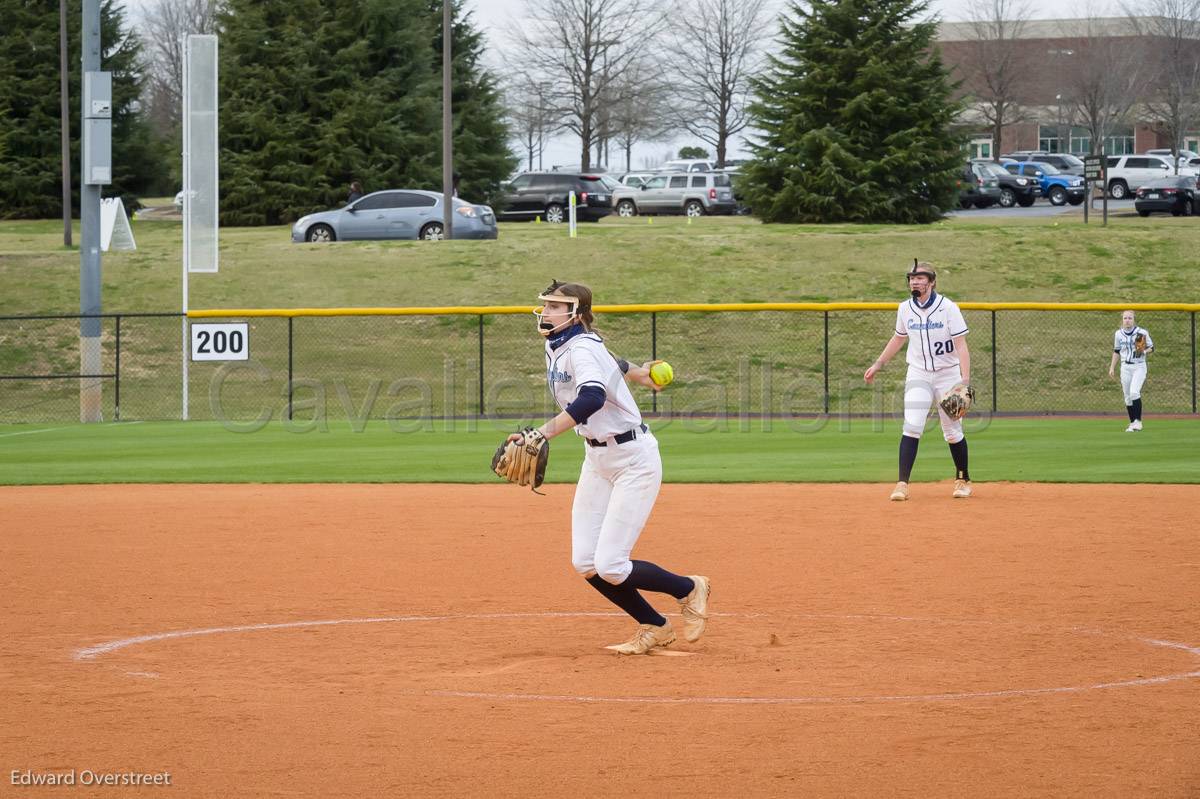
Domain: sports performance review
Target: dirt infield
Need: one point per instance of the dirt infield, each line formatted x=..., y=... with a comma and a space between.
x=368, y=641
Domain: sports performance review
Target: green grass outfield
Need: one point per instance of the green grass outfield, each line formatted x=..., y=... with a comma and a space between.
x=1073, y=450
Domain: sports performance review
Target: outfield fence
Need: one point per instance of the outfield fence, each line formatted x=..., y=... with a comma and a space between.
x=312, y=367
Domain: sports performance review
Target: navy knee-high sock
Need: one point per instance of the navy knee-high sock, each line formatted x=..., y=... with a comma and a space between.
x=628, y=599
x=1129, y=410
x=1136, y=413
x=958, y=451
x=908, y=456
x=649, y=577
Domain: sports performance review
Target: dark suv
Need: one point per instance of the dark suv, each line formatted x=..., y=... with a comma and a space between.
x=545, y=195
x=1063, y=162
x=1014, y=189
x=978, y=186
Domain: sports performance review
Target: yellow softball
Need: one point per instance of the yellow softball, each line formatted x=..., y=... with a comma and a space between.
x=661, y=373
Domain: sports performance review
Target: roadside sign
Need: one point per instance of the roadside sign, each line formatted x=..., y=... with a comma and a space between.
x=1093, y=167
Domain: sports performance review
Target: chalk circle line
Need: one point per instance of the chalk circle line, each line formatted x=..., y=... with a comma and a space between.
x=92, y=653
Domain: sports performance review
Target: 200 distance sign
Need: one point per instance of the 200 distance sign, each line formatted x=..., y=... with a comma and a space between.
x=225, y=342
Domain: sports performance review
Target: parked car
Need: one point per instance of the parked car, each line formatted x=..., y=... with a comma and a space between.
x=1175, y=194
x=545, y=195
x=978, y=186
x=694, y=194
x=1014, y=189
x=634, y=179
x=1127, y=172
x=1056, y=187
x=689, y=165
x=1064, y=162
x=396, y=214
x=1183, y=157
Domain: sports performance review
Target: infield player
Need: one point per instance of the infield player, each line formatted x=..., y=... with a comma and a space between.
x=1131, y=345
x=938, y=359
x=621, y=472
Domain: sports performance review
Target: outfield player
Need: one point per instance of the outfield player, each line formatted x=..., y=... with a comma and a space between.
x=938, y=359
x=1131, y=345
x=621, y=471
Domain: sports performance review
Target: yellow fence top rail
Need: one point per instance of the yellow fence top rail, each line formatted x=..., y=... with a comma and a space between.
x=225, y=313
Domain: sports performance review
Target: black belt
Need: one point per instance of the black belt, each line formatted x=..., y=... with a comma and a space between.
x=621, y=438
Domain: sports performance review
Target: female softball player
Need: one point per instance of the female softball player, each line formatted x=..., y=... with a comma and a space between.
x=938, y=359
x=1131, y=345
x=621, y=471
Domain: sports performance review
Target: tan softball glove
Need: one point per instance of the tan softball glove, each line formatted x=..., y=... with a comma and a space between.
x=523, y=461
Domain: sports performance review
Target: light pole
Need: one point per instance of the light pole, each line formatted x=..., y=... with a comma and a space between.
x=1059, y=130
x=447, y=128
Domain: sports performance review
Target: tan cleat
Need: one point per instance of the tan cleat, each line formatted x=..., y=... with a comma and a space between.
x=900, y=492
x=645, y=639
x=694, y=608
x=962, y=489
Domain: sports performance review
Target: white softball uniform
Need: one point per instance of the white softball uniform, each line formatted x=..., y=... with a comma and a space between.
x=622, y=470
x=1133, y=363
x=933, y=365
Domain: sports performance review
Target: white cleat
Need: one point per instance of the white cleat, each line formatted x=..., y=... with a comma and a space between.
x=1131, y=428
x=962, y=489
x=646, y=638
x=1137, y=424
x=694, y=608
x=900, y=492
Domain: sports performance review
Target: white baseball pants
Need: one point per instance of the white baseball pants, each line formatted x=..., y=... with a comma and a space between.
x=922, y=389
x=1133, y=375
x=613, y=499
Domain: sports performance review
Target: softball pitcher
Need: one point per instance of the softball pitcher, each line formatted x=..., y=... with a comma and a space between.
x=938, y=361
x=1131, y=345
x=621, y=471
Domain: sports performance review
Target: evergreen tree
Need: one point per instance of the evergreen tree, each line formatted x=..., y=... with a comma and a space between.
x=481, y=154
x=855, y=114
x=317, y=94
x=30, y=145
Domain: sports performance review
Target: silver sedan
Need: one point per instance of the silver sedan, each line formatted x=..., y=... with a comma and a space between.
x=396, y=214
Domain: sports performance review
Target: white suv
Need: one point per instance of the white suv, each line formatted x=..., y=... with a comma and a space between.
x=688, y=165
x=1184, y=157
x=1127, y=172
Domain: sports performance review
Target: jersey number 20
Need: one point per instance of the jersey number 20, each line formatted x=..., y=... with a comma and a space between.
x=943, y=347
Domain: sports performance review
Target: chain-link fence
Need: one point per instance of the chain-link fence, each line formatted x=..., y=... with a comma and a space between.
x=411, y=368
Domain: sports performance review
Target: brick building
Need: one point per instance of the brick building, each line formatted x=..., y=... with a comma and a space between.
x=1046, y=51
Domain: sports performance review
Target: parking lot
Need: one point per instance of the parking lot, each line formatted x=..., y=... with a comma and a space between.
x=1045, y=209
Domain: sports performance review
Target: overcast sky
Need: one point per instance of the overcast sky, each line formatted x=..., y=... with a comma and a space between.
x=492, y=15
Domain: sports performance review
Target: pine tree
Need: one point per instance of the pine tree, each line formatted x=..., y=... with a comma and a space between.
x=30, y=166
x=275, y=95
x=317, y=94
x=855, y=114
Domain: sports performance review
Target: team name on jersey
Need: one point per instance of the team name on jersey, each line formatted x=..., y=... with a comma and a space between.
x=924, y=325
x=556, y=376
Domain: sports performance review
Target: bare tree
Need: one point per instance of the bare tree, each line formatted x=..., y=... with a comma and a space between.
x=165, y=29
x=1173, y=63
x=996, y=69
x=1104, y=76
x=586, y=45
x=533, y=114
x=711, y=58
x=635, y=110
